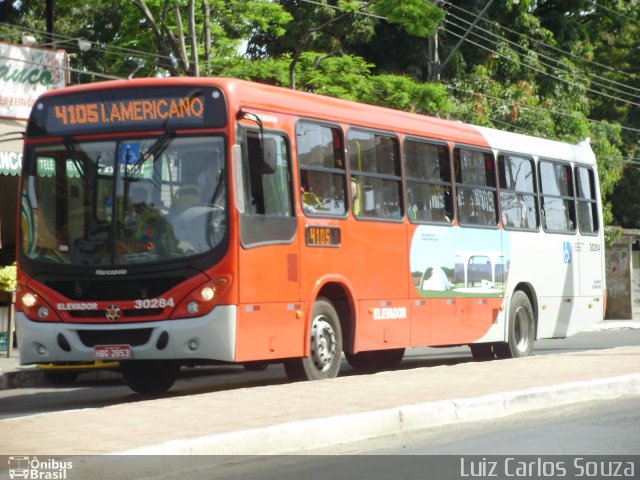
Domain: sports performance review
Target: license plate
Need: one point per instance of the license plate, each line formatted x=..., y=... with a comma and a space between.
x=112, y=352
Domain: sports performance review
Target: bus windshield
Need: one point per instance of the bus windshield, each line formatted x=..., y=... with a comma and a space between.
x=125, y=201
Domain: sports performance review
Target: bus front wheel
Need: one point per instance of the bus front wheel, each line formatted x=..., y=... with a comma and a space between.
x=522, y=328
x=151, y=376
x=325, y=346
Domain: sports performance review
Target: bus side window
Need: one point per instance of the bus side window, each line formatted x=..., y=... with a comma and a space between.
x=322, y=169
x=268, y=193
x=558, y=203
x=476, y=187
x=428, y=171
x=518, y=192
x=588, y=221
x=376, y=181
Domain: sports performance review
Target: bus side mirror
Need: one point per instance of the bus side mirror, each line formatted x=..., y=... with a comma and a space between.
x=269, y=156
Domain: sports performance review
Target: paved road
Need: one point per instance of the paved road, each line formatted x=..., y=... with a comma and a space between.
x=95, y=394
x=602, y=427
x=562, y=440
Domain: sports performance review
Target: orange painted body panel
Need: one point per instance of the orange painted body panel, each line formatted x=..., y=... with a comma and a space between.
x=372, y=261
x=383, y=324
x=268, y=331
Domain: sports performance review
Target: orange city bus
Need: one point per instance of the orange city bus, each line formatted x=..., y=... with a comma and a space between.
x=179, y=221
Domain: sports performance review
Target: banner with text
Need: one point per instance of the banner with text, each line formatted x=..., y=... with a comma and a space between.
x=26, y=73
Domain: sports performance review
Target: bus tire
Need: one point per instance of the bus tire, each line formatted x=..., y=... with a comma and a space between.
x=326, y=346
x=151, y=376
x=375, y=360
x=521, y=330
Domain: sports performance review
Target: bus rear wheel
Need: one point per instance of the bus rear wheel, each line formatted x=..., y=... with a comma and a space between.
x=375, y=360
x=150, y=377
x=522, y=329
x=325, y=346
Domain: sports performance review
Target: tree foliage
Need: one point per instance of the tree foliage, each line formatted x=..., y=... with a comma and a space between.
x=557, y=69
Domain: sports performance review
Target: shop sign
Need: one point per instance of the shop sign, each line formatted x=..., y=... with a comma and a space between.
x=25, y=74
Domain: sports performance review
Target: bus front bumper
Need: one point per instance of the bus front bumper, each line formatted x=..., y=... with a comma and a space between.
x=210, y=337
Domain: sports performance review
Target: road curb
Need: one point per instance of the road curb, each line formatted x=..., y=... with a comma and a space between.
x=294, y=437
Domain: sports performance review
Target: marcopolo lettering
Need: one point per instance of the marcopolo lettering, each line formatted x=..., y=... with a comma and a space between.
x=120, y=271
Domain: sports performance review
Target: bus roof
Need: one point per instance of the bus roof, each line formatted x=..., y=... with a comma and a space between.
x=540, y=147
x=269, y=98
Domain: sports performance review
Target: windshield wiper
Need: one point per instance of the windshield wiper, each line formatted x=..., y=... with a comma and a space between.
x=154, y=151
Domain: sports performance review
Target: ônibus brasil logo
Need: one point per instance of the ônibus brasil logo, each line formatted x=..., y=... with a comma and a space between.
x=33, y=468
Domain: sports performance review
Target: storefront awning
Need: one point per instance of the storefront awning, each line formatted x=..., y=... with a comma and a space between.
x=11, y=163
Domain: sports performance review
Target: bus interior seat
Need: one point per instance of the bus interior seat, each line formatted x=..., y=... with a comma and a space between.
x=185, y=197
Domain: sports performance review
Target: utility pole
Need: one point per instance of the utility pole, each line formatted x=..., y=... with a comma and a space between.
x=433, y=67
x=50, y=15
x=440, y=67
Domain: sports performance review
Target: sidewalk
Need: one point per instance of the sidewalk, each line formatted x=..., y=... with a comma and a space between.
x=298, y=416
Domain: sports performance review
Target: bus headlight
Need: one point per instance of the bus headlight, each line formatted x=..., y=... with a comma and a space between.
x=43, y=312
x=208, y=293
x=29, y=299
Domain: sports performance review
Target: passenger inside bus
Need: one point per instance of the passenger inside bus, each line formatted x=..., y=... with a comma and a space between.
x=147, y=228
x=356, y=195
x=311, y=202
x=210, y=180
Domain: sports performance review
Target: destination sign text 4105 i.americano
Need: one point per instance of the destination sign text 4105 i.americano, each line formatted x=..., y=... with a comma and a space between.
x=129, y=110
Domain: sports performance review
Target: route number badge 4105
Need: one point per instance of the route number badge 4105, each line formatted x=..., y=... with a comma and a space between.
x=112, y=352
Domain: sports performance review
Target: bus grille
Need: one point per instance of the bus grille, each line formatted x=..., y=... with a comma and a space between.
x=135, y=337
x=122, y=289
x=138, y=312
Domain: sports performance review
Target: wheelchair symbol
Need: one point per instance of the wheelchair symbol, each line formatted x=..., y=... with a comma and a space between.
x=567, y=252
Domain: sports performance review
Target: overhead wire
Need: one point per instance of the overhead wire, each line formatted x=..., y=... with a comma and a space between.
x=558, y=112
x=598, y=82
x=542, y=72
x=549, y=46
x=66, y=68
x=546, y=110
x=105, y=47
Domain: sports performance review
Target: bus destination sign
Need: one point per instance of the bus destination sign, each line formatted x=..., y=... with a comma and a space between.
x=128, y=110
x=131, y=110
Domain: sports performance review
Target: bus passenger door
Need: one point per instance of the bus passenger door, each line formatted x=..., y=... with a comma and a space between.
x=589, y=249
x=269, y=324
